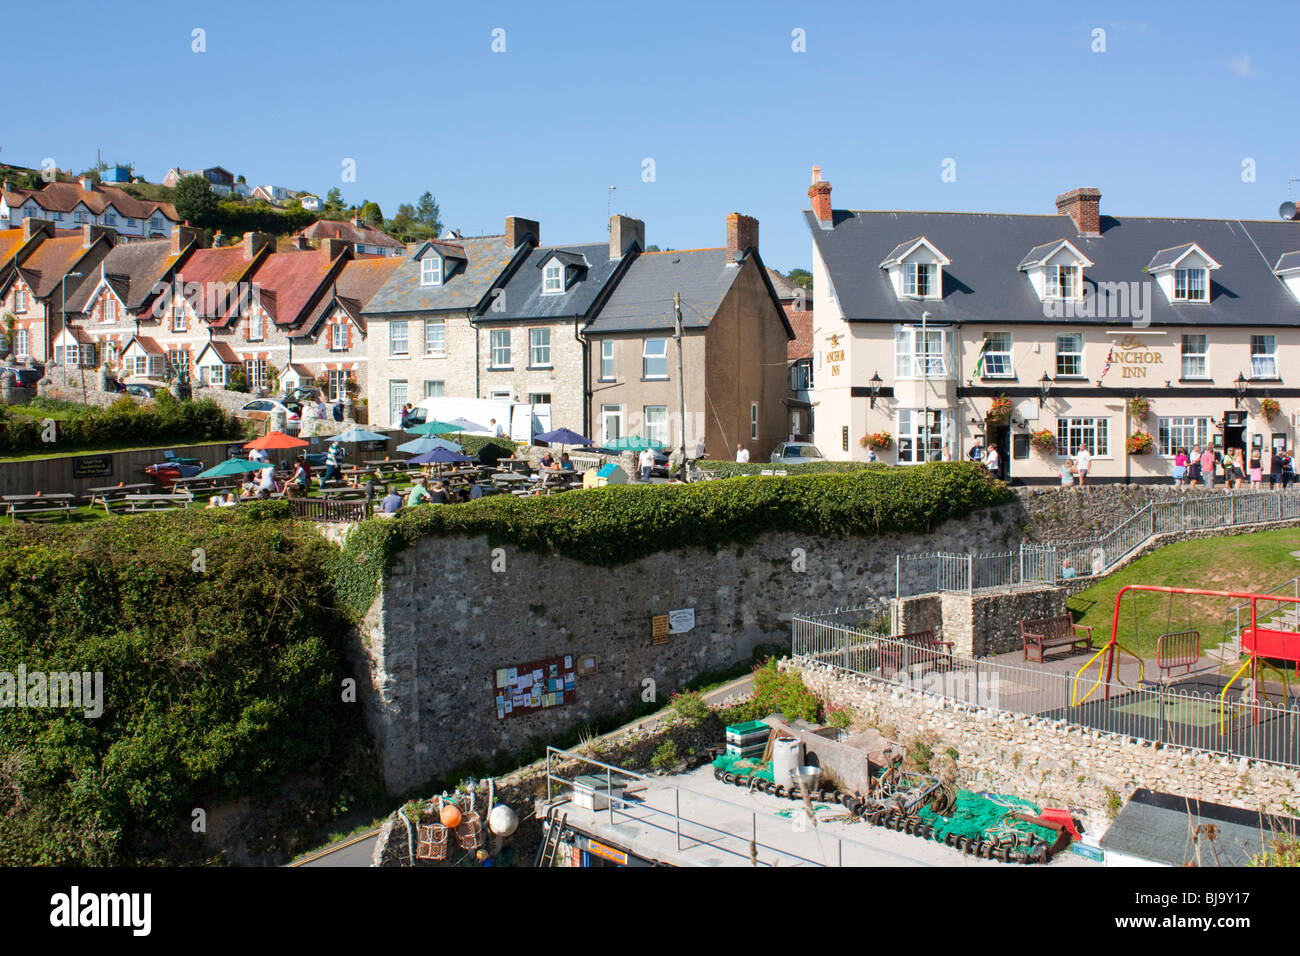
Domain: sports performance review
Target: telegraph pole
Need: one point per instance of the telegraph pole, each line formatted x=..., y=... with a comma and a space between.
x=681, y=385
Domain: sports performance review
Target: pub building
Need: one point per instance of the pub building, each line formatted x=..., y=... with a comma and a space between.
x=1041, y=334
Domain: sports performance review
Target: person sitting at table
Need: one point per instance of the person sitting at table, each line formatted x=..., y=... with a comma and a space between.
x=439, y=494
x=228, y=500
x=267, y=483
x=213, y=502
x=475, y=491
x=392, y=501
x=547, y=463
x=565, y=463
x=419, y=492
x=301, y=475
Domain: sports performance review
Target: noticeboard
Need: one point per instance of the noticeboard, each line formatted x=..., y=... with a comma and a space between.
x=535, y=686
x=92, y=466
x=659, y=629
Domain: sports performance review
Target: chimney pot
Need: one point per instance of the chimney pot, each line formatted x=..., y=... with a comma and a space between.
x=742, y=235
x=1083, y=205
x=817, y=174
x=519, y=230
x=183, y=236
x=623, y=232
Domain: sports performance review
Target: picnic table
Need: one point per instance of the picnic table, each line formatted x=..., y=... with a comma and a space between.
x=117, y=493
x=508, y=478
x=162, y=502
x=32, y=506
x=512, y=463
x=346, y=493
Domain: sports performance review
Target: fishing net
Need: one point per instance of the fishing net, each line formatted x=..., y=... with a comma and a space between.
x=985, y=818
x=744, y=766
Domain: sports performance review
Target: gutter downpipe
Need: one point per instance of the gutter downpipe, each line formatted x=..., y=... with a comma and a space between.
x=586, y=374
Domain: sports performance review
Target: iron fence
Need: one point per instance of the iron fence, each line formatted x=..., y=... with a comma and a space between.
x=1235, y=725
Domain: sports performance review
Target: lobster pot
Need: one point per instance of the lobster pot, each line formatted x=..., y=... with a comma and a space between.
x=748, y=739
x=469, y=835
x=432, y=844
x=787, y=755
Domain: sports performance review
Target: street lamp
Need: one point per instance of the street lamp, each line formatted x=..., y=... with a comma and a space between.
x=1044, y=388
x=1240, y=385
x=875, y=387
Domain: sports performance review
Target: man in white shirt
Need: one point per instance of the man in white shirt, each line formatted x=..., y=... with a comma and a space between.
x=991, y=460
x=1081, y=462
x=268, y=480
x=647, y=463
x=742, y=454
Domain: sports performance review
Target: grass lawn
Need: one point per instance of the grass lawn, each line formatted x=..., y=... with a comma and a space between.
x=103, y=448
x=1248, y=562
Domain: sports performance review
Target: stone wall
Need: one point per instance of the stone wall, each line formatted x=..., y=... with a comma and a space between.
x=1050, y=762
x=988, y=622
x=1057, y=514
x=67, y=385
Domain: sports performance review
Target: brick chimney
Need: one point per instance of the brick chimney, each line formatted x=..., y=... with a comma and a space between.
x=819, y=193
x=519, y=230
x=32, y=227
x=623, y=232
x=253, y=243
x=333, y=247
x=182, y=236
x=1083, y=205
x=742, y=235
x=90, y=233
x=301, y=243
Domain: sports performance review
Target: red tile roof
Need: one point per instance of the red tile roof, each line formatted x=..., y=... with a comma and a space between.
x=10, y=240
x=801, y=320
x=45, y=268
x=351, y=232
x=288, y=281
x=207, y=267
x=63, y=197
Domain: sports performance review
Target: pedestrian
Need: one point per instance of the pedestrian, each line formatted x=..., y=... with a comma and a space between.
x=992, y=463
x=1238, y=467
x=1208, y=458
x=419, y=492
x=976, y=452
x=496, y=429
x=1180, y=467
x=333, y=470
x=1194, y=466
x=1275, y=469
x=371, y=490
x=1289, y=473
x=1082, y=462
x=406, y=414
x=871, y=454
x=1067, y=473
x=647, y=463
x=1256, y=469
x=742, y=454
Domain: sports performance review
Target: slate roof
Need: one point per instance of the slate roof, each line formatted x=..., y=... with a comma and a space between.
x=365, y=234
x=487, y=257
x=132, y=269
x=785, y=289
x=54, y=258
x=354, y=287
x=643, y=300
x=287, y=283
x=1154, y=826
x=522, y=294
x=982, y=283
x=1041, y=253
x=63, y=197
x=1288, y=261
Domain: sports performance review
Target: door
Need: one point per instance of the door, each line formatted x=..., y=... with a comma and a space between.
x=1000, y=438
x=1234, y=433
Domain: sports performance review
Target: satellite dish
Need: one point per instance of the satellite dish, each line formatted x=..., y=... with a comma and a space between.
x=1287, y=210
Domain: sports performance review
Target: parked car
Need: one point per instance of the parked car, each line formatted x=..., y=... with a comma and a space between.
x=303, y=393
x=796, y=453
x=27, y=377
x=291, y=410
x=142, y=390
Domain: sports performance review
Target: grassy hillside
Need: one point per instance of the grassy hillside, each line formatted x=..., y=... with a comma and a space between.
x=1248, y=562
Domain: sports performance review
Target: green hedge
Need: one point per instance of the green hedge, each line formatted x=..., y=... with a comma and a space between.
x=618, y=524
x=727, y=469
x=124, y=422
x=217, y=684
x=236, y=218
x=487, y=450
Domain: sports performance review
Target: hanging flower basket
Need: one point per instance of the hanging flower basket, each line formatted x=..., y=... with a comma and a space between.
x=1044, y=440
x=1268, y=407
x=1000, y=411
x=1139, y=443
x=1138, y=407
x=879, y=440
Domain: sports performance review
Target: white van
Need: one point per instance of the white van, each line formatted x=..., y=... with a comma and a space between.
x=518, y=420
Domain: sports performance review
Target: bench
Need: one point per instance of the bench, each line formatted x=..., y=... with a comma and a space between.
x=1178, y=649
x=37, y=510
x=1054, y=632
x=139, y=503
x=915, y=647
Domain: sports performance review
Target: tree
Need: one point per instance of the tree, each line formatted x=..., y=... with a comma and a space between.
x=195, y=201
x=652, y=248
x=371, y=214
x=427, y=212
x=334, y=202
x=800, y=277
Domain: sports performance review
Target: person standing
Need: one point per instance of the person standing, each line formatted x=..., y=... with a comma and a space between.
x=1256, y=469
x=1180, y=467
x=1207, y=467
x=742, y=454
x=497, y=430
x=976, y=452
x=333, y=471
x=647, y=463
x=1275, y=469
x=992, y=463
x=871, y=455
x=1194, y=467
x=1238, y=467
x=1082, y=462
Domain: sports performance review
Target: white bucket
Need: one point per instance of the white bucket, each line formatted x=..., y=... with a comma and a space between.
x=787, y=755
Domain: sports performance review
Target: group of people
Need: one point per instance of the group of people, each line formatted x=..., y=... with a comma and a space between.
x=989, y=456
x=1208, y=466
x=438, y=493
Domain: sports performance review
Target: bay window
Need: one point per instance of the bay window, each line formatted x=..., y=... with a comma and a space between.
x=920, y=440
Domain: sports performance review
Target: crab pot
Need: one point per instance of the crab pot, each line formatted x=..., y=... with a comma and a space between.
x=432, y=843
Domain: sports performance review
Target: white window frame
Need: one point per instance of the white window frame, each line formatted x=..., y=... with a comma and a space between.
x=540, y=398
x=912, y=281
x=431, y=271
x=339, y=337
x=22, y=343
x=997, y=361
x=1073, y=432
x=1062, y=282
x=619, y=414
x=338, y=383
x=1191, y=285
x=656, y=427
x=647, y=357
x=539, y=352
x=1263, y=364
x=255, y=373
x=179, y=317
x=20, y=301
x=1182, y=431
x=398, y=344
x=499, y=348
x=1069, y=354
x=908, y=358
x=256, y=333
x=606, y=360
x=434, y=388
x=913, y=439
x=1189, y=358
x=553, y=278
x=435, y=337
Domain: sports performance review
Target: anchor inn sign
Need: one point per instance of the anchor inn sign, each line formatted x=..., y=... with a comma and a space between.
x=923, y=320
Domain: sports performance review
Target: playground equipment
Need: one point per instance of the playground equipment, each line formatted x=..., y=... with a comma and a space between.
x=1182, y=648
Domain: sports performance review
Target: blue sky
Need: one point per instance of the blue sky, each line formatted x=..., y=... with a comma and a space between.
x=713, y=93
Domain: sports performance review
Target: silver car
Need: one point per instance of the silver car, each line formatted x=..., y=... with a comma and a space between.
x=796, y=453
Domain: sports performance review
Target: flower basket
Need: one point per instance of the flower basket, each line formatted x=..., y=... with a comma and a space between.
x=1268, y=407
x=880, y=440
x=1138, y=407
x=1043, y=439
x=1000, y=411
x=1139, y=443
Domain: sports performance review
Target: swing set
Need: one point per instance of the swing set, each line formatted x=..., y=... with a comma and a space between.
x=1183, y=648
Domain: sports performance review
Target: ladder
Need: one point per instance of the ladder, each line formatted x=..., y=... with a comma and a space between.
x=551, y=842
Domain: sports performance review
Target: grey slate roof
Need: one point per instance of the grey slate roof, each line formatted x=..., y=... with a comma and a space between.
x=132, y=269
x=1040, y=253
x=643, y=300
x=523, y=297
x=982, y=283
x=1154, y=826
x=486, y=258
x=568, y=257
x=1165, y=258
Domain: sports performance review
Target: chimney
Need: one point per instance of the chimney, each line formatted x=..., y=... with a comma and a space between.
x=333, y=247
x=819, y=193
x=9, y=186
x=1083, y=205
x=253, y=243
x=182, y=236
x=623, y=232
x=32, y=227
x=90, y=233
x=519, y=231
x=742, y=236
x=301, y=243
x=87, y=184
x=358, y=221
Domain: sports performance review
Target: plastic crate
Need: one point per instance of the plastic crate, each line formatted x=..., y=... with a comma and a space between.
x=748, y=734
x=591, y=792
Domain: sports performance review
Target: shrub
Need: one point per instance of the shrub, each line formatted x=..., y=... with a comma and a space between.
x=782, y=692
x=690, y=706
x=732, y=469
x=124, y=422
x=839, y=716
x=666, y=757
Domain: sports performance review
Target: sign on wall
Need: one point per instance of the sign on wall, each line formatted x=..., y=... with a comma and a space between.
x=535, y=686
x=659, y=629
x=681, y=621
x=92, y=466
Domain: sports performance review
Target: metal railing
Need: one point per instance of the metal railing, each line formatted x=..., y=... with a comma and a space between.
x=1265, y=730
x=1238, y=616
x=1057, y=561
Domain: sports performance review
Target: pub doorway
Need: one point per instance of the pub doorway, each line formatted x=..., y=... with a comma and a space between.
x=999, y=437
x=1234, y=432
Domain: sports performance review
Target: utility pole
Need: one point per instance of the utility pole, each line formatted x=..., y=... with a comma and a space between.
x=681, y=385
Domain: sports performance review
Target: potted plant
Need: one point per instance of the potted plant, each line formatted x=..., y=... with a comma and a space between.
x=1268, y=407
x=1044, y=439
x=880, y=441
x=1138, y=407
x=1000, y=411
x=1139, y=443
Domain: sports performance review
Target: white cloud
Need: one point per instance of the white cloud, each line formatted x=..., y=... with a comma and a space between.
x=1242, y=67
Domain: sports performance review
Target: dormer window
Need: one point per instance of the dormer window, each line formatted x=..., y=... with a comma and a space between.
x=431, y=271
x=1063, y=282
x=1055, y=270
x=915, y=269
x=1190, y=285
x=553, y=278
x=1183, y=273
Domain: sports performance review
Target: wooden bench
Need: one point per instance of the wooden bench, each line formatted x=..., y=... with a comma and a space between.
x=33, y=511
x=1178, y=649
x=1054, y=632
x=915, y=647
x=139, y=503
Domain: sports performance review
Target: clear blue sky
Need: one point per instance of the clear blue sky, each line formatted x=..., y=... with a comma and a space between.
x=713, y=93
